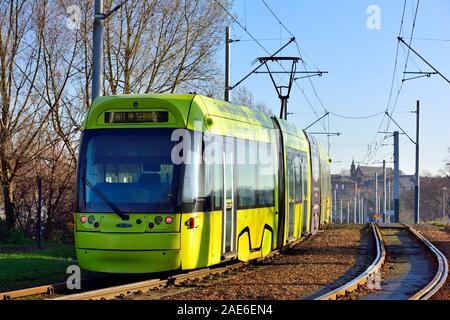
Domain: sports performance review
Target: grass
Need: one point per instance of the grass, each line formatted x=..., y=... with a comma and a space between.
x=437, y=223
x=23, y=267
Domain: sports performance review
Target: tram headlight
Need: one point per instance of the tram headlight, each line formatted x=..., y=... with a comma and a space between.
x=83, y=219
x=91, y=219
x=158, y=220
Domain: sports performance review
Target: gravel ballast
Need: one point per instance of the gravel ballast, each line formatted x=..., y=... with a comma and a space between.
x=440, y=237
x=321, y=262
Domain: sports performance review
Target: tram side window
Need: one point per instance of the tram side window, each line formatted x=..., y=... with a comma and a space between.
x=266, y=176
x=298, y=180
x=304, y=160
x=194, y=179
x=246, y=173
x=323, y=180
x=214, y=185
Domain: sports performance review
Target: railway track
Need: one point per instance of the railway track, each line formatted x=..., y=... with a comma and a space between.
x=437, y=274
x=400, y=247
x=118, y=292
x=106, y=291
x=59, y=291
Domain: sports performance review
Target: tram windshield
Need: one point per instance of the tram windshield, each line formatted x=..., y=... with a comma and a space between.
x=131, y=167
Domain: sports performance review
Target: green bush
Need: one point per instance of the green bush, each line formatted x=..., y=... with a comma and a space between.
x=12, y=236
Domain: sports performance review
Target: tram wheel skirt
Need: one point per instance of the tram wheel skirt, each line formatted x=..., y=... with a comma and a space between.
x=131, y=262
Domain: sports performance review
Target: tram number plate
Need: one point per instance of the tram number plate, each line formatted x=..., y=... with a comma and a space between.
x=137, y=117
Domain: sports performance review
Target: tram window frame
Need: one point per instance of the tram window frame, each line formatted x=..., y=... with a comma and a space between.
x=201, y=202
x=298, y=180
x=300, y=158
x=270, y=177
x=246, y=168
x=305, y=182
x=214, y=174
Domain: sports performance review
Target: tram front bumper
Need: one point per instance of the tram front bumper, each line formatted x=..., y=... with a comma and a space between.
x=128, y=253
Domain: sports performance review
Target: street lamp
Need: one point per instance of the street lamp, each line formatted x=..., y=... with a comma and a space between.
x=444, y=202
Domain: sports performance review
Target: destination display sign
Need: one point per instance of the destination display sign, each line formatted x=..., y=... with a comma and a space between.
x=137, y=117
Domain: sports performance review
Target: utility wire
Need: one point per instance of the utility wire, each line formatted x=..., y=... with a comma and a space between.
x=261, y=40
x=406, y=63
x=415, y=14
x=260, y=45
x=304, y=66
x=412, y=35
x=391, y=91
x=358, y=118
x=429, y=39
x=242, y=27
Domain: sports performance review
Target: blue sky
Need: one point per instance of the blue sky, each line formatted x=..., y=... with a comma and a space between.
x=335, y=36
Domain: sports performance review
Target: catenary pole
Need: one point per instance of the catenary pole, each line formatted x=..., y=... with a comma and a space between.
x=97, y=59
x=417, y=175
x=396, y=177
x=384, y=191
x=377, y=207
x=444, y=204
x=227, y=63
x=348, y=211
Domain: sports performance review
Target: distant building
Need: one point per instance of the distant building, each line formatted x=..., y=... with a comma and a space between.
x=365, y=176
x=342, y=183
x=407, y=183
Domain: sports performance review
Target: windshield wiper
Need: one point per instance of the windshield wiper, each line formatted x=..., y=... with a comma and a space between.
x=102, y=197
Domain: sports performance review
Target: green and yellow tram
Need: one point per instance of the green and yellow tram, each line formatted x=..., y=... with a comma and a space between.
x=169, y=182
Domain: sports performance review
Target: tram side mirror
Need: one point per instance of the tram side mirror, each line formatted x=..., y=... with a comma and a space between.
x=330, y=161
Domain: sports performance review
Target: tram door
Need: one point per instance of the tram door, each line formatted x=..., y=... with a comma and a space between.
x=291, y=196
x=305, y=195
x=229, y=208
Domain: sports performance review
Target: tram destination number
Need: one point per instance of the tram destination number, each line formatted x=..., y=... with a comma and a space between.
x=226, y=310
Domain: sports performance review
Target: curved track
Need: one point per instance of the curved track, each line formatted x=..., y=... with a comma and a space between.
x=401, y=247
x=366, y=276
x=415, y=245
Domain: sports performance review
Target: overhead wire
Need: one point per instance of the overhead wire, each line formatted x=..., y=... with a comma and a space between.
x=260, y=45
x=394, y=106
x=272, y=12
x=369, y=149
x=406, y=62
x=357, y=117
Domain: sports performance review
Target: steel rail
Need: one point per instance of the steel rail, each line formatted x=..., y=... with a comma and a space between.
x=441, y=275
x=138, y=287
x=116, y=292
x=366, y=276
x=145, y=286
x=50, y=289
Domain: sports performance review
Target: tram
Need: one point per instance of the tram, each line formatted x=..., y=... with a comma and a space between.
x=168, y=182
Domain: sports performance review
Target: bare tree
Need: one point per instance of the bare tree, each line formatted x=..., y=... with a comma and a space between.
x=244, y=96
x=162, y=46
x=61, y=70
x=447, y=165
x=23, y=114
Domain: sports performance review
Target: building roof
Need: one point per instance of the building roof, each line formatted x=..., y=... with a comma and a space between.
x=371, y=171
x=406, y=181
x=338, y=178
